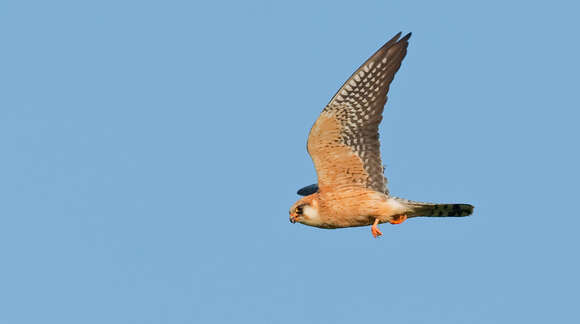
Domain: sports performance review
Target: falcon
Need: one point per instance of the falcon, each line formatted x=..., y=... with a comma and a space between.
x=344, y=146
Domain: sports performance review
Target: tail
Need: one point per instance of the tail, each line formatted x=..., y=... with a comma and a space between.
x=417, y=209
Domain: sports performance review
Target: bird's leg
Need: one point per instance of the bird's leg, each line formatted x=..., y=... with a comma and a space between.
x=398, y=219
x=375, y=229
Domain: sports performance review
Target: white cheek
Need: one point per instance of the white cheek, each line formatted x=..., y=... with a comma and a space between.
x=311, y=214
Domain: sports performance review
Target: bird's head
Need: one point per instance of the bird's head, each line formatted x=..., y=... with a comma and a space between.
x=305, y=211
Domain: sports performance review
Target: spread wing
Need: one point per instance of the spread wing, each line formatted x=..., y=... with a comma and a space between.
x=344, y=141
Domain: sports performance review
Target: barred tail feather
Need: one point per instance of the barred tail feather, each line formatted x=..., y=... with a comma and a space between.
x=417, y=209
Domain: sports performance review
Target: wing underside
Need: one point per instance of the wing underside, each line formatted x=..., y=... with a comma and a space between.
x=344, y=141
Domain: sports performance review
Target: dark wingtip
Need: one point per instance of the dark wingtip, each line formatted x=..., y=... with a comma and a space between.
x=308, y=190
x=392, y=41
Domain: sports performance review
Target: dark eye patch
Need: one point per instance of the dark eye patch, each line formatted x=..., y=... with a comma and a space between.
x=299, y=209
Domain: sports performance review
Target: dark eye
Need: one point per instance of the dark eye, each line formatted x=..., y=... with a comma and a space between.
x=299, y=209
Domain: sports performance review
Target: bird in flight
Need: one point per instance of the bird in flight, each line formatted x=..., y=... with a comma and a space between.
x=344, y=146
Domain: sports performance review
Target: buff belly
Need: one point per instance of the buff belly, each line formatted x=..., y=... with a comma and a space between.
x=352, y=211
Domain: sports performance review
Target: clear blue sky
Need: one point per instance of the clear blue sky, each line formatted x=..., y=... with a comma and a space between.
x=150, y=151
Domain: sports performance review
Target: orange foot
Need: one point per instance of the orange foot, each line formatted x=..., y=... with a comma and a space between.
x=375, y=230
x=398, y=219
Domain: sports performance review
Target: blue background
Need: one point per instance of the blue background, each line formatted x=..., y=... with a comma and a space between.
x=150, y=151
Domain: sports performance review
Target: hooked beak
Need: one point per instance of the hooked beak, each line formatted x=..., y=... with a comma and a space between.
x=292, y=218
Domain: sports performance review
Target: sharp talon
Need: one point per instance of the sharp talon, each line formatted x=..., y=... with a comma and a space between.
x=398, y=219
x=376, y=232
